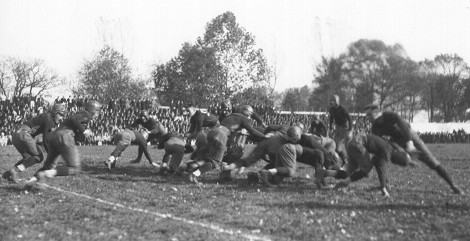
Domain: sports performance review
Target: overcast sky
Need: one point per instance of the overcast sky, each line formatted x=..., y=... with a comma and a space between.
x=293, y=34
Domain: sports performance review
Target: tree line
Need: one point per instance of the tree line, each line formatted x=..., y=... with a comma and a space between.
x=373, y=72
x=226, y=63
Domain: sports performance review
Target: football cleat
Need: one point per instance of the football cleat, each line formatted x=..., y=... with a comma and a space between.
x=108, y=164
x=11, y=176
x=163, y=170
x=457, y=190
x=225, y=167
x=320, y=178
x=264, y=176
x=180, y=170
x=384, y=192
x=252, y=177
x=276, y=179
x=241, y=170
x=192, y=178
x=39, y=185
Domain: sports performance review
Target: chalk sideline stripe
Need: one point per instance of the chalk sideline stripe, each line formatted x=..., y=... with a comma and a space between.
x=209, y=226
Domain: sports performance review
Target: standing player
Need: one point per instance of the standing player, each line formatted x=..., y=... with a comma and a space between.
x=340, y=116
x=62, y=143
x=122, y=140
x=198, y=120
x=23, y=140
x=392, y=125
x=154, y=127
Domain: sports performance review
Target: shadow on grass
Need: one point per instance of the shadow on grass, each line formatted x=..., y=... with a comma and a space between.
x=132, y=170
x=12, y=187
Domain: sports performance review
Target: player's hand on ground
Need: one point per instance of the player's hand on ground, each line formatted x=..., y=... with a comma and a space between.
x=385, y=192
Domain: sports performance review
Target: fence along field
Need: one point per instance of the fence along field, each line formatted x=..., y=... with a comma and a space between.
x=133, y=203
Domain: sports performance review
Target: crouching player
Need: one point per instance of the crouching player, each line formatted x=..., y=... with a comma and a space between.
x=62, y=142
x=23, y=140
x=265, y=148
x=155, y=128
x=175, y=148
x=287, y=157
x=368, y=151
x=392, y=125
x=125, y=138
x=217, y=139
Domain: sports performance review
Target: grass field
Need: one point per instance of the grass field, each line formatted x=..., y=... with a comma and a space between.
x=133, y=203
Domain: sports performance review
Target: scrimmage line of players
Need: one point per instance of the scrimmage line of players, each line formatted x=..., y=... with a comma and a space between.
x=220, y=143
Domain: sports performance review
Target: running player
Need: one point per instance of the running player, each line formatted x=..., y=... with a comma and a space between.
x=62, y=143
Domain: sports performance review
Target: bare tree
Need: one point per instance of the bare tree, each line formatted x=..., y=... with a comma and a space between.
x=18, y=77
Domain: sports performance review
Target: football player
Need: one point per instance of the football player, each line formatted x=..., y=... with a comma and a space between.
x=62, y=143
x=198, y=120
x=318, y=127
x=175, y=148
x=236, y=144
x=122, y=140
x=340, y=116
x=366, y=151
x=392, y=125
x=218, y=136
x=24, y=140
x=155, y=128
x=289, y=154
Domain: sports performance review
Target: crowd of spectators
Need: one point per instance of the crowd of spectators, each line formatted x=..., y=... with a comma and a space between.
x=456, y=136
x=117, y=114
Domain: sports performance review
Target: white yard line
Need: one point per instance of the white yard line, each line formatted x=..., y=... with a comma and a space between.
x=184, y=220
